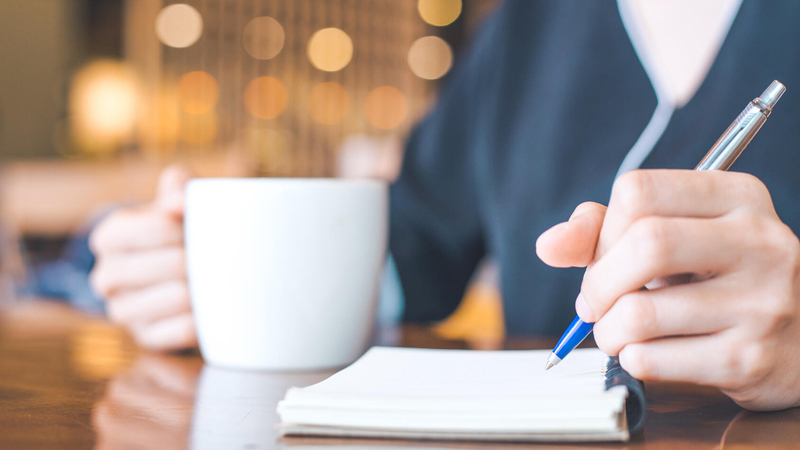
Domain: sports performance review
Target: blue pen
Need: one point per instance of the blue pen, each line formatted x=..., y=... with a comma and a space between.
x=721, y=156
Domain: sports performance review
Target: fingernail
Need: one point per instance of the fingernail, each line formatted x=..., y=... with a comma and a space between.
x=583, y=310
x=554, y=229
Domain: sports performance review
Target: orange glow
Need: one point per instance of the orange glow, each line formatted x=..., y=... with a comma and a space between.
x=439, y=12
x=386, y=107
x=103, y=104
x=330, y=49
x=328, y=103
x=179, y=25
x=263, y=38
x=430, y=57
x=265, y=98
x=198, y=92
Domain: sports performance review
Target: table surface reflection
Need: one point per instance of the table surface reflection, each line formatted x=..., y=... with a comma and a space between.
x=71, y=381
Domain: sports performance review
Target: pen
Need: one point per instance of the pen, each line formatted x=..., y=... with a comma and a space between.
x=721, y=156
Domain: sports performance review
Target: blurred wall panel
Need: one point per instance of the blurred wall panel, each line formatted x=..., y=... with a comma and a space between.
x=39, y=39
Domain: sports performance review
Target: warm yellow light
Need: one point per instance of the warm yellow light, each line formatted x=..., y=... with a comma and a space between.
x=265, y=98
x=430, y=57
x=330, y=49
x=263, y=38
x=103, y=105
x=328, y=103
x=386, y=107
x=439, y=12
x=198, y=92
x=199, y=129
x=179, y=25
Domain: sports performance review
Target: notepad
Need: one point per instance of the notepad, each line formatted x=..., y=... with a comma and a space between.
x=402, y=393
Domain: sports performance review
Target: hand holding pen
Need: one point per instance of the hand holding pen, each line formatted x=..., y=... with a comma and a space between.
x=736, y=326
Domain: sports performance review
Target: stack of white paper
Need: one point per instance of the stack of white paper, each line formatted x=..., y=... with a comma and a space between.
x=461, y=394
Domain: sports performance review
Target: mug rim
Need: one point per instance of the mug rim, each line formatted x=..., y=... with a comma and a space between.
x=297, y=181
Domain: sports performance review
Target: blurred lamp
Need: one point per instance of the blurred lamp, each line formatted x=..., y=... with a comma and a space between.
x=263, y=38
x=386, y=107
x=179, y=25
x=330, y=49
x=439, y=12
x=103, y=103
x=430, y=57
x=198, y=92
x=265, y=98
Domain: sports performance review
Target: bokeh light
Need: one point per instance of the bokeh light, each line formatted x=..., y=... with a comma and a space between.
x=103, y=105
x=328, y=103
x=439, y=12
x=198, y=92
x=179, y=25
x=263, y=38
x=199, y=129
x=430, y=57
x=265, y=98
x=386, y=107
x=330, y=49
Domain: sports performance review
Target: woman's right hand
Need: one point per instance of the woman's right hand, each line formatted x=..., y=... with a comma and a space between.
x=140, y=268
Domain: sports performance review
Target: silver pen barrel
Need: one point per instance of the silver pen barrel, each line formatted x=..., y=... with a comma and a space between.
x=739, y=134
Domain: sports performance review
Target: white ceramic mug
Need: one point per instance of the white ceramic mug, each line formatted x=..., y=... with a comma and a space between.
x=284, y=273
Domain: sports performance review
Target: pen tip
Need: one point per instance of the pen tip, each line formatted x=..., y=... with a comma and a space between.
x=552, y=360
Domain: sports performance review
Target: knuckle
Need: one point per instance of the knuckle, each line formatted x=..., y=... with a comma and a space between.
x=116, y=314
x=187, y=337
x=100, y=281
x=650, y=239
x=180, y=293
x=754, y=362
x=629, y=321
x=639, y=313
x=786, y=244
x=604, y=336
x=746, y=364
x=165, y=227
x=633, y=191
x=775, y=312
x=97, y=239
x=100, y=237
x=637, y=362
x=755, y=187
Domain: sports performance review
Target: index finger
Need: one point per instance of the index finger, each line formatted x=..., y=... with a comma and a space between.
x=678, y=193
x=136, y=229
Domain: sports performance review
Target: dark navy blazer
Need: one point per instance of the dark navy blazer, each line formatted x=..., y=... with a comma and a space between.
x=537, y=118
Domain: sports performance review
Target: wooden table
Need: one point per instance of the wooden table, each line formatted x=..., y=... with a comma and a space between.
x=70, y=381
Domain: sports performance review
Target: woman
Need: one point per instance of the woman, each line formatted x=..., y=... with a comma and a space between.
x=554, y=100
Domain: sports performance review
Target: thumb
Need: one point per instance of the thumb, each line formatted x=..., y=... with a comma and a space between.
x=171, y=187
x=572, y=243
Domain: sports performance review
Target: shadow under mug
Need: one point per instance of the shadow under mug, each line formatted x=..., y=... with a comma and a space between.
x=284, y=273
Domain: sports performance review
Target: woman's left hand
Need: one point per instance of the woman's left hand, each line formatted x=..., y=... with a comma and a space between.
x=734, y=325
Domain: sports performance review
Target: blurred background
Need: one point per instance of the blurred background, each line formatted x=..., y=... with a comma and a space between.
x=98, y=96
